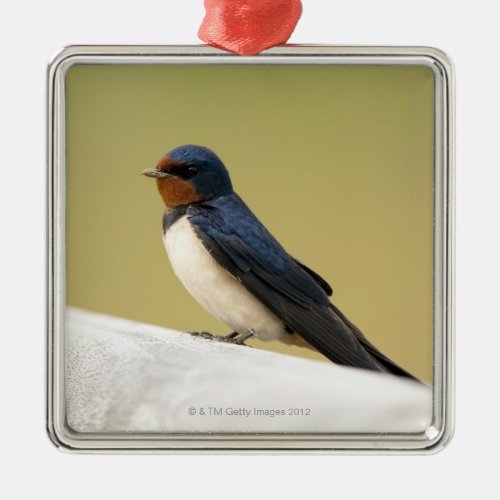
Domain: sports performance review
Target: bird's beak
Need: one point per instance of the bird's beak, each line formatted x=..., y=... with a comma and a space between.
x=154, y=172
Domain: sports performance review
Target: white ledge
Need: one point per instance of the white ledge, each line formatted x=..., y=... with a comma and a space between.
x=129, y=376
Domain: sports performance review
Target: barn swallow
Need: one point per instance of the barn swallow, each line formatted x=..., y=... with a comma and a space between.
x=234, y=267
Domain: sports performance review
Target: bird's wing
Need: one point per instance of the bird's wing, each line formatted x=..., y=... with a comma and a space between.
x=242, y=246
x=317, y=278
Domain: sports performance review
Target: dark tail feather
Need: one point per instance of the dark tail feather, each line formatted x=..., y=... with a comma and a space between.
x=388, y=365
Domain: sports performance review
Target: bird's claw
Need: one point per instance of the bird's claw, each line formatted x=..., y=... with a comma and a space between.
x=205, y=335
x=231, y=338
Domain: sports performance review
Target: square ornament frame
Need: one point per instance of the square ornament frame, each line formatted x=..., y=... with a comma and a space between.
x=436, y=436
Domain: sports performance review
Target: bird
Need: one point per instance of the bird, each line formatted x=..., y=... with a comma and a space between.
x=238, y=271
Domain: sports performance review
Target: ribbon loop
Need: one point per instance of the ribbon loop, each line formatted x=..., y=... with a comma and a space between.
x=248, y=27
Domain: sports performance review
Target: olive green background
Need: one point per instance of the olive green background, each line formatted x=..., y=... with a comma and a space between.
x=336, y=161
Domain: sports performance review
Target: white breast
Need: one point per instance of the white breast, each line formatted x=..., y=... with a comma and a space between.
x=215, y=289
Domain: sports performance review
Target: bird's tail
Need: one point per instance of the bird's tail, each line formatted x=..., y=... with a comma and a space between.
x=386, y=364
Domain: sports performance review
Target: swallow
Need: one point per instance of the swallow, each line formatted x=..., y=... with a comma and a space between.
x=238, y=272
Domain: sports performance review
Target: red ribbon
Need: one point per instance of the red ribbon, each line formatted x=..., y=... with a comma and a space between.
x=248, y=27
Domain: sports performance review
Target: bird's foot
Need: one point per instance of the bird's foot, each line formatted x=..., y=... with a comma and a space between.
x=242, y=338
x=230, y=338
x=205, y=335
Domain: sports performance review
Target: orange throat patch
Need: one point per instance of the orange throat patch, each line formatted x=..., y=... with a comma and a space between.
x=176, y=192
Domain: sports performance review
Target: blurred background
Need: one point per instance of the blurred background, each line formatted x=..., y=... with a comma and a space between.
x=337, y=162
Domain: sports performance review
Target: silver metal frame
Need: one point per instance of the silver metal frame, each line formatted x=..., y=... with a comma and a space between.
x=436, y=436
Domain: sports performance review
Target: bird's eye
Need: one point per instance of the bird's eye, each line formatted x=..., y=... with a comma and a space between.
x=184, y=171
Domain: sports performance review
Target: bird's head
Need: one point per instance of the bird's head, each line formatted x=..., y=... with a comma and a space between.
x=190, y=174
